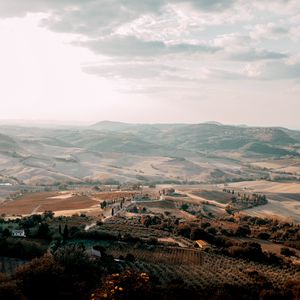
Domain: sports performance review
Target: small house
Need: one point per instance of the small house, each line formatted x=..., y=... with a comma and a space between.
x=93, y=254
x=202, y=244
x=18, y=233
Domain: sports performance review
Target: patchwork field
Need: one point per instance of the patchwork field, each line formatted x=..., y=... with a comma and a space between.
x=54, y=201
x=266, y=186
x=283, y=199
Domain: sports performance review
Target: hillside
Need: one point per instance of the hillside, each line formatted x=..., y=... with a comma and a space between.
x=207, y=136
x=137, y=152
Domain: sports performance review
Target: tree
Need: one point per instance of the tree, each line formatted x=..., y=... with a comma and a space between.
x=125, y=285
x=48, y=214
x=66, y=232
x=184, y=230
x=146, y=221
x=198, y=234
x=184, y=206
x=6, y=232
x=287, y=252
x=243, y=231
x=59, y=229
x=135, y=210
x=103, y=204
x=43, y=231
x=37, y=275
x=205, y=225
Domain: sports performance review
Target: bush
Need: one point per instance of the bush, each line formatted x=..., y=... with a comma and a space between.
x=250, y=251
x=205, y=225
x=37, y=275
x=184, y=230
x=211, y=230
x=243, y=231
x=21, y=248
x=43, y=231
x=130, y=257
x=9, y=289
x=127, y=285
x=131, y=239
x=152, y=241
x=263, y=235
x=287, y=252
x=68, y=274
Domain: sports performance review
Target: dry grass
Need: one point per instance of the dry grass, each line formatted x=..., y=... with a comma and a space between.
x=267, y=186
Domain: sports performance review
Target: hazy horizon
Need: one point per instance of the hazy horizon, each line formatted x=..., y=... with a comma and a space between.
x=87, y=123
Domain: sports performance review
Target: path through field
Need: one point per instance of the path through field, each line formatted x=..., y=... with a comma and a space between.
x=35, y=210
x=206, y=201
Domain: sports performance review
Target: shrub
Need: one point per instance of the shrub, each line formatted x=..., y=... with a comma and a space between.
x=21, y=248
x=251, y=251
x=130, y=257
x=205, y=225
x=127, y=285
x=211, y=230
x=287, y=252
x=36, y=276
x=263, y=235
x=184, y=230
x=243, y=231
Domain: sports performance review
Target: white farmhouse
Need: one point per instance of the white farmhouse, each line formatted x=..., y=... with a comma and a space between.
x=18, y=233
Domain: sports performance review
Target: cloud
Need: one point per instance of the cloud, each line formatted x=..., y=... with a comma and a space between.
x=131, y=70
x=251, y=54
x=103, y=22
x=94, y=18
x=280, y=7
x=14, y=8
x=279, y=70
x=131, y=46
x=269, y=31
x=212, y=5
x=179, y=30
x=295, y=33
x=19, y=8
x=260, y=70
x=241, y=48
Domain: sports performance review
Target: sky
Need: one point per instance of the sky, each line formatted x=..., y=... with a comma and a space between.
x=151, y=61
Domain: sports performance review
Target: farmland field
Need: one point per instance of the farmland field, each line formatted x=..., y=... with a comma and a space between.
x=214, y=195
x=155, y=254
x=54, y=201
x=61, y=202
x=283, y=199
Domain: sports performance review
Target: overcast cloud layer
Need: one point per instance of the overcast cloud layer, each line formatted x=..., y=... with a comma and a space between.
x=201, y=59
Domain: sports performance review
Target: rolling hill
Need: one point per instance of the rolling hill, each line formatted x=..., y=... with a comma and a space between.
x=137, y=152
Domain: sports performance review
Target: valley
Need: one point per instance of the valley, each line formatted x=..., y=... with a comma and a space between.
x=198, y=210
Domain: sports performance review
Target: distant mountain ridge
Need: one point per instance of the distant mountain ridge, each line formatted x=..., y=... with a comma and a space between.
x=205, y=136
